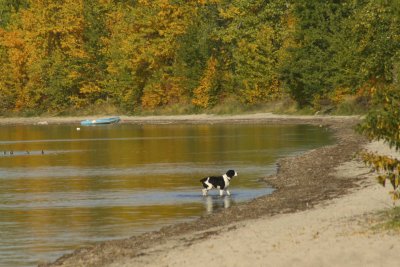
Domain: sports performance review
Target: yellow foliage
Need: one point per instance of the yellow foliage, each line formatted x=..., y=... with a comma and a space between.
x=252, y=95
x=203, y=94
x=247, y=47
x=152, y=97
x=90, y=88
x=230, y=13
x=78, y=102
x=339, y=94
x=205, y=2
x=73, y=75
x=388, y=168
x=168, y=91
x=261, y=92
x=144, y=39
x=88, y=94
x=370, y=87
x=52, y=25
x=18, y=62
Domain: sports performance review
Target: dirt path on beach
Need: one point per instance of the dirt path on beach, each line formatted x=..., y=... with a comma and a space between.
x=304, y=209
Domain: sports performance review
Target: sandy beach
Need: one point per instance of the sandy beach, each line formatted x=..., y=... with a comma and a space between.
x=337, y=232
x=322, y=213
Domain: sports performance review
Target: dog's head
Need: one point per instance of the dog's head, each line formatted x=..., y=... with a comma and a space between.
x=231, y=173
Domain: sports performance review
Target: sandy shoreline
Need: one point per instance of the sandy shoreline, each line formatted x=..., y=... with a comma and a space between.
x=335, y=232
x=198, y=118
x=279, y=229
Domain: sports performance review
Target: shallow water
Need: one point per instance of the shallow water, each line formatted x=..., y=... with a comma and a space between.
x=61, y=188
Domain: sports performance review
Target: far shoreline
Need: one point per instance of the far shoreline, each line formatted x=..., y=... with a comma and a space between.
x=192, y=118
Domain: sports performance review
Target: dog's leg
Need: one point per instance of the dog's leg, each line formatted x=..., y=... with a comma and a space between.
x=221, y=192
x=204, y=191
x=227, y=192
x=207, y=186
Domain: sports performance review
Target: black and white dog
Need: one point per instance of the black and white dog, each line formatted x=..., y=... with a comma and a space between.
x=219, y=182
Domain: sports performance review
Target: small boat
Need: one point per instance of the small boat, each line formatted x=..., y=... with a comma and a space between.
x=100, y=121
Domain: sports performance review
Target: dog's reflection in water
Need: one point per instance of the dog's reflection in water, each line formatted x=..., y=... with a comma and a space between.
x=214, y=203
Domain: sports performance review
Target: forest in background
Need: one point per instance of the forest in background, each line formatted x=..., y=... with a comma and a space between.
x=58, y=56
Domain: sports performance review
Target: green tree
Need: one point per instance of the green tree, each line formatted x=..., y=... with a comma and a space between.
x=252, y=37
x=196, y=46
x=372, y=39
x=381, y=52
x=383, y=123
x=310, y=69
x=93, y=67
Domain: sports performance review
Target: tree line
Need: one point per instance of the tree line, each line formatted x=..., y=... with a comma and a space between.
x=57, y=55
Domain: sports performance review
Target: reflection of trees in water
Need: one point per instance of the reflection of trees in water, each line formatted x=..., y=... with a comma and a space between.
x=214, y=203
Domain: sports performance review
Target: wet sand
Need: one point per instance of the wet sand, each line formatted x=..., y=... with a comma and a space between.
x=279, y=229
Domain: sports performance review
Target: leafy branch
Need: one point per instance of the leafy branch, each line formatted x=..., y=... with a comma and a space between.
x=388, y=168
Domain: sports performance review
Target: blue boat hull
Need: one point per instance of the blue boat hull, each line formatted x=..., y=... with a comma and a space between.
x=100, y=121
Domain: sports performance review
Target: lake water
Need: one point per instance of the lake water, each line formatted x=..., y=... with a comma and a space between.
x=61, y=188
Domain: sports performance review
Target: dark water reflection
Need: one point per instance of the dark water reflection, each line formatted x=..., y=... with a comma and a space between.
x=114, y=181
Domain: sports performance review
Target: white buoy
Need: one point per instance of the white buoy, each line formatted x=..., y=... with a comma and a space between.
x=78, y=129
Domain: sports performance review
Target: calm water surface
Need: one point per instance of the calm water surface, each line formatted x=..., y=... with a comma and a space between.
x=115, y=181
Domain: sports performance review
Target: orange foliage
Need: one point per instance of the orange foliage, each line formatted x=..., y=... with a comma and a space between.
x=18, y=62
x=204, y=93
x=168, y=91
x=38, y=32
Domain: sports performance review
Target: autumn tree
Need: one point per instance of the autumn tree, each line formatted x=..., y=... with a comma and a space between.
x=196, y=46
x=141, y=50
x=44, y=46
x=12, y=48
x=205, y=94
x=15, y=69
x=253, y=37
x=93, y=65
x=12, y=75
